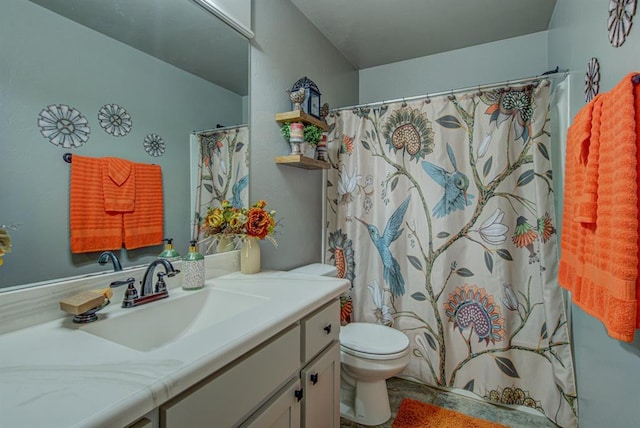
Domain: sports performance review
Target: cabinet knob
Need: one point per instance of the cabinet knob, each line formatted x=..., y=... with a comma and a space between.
x=314, y=378
x=298, y=394
x=328, y=329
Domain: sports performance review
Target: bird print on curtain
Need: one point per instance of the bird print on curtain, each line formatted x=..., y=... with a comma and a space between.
x=392, y=231
x=440, y=212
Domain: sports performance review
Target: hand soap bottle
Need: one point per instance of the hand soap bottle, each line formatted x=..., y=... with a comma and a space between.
x=193, y=269
x=169, y=252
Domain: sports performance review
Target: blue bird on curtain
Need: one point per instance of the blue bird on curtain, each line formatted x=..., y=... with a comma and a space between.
x=236, y=190
x=392, y=231
x=455, y=185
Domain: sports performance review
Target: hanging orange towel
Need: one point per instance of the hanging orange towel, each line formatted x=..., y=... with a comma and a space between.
x=92, y=229
x=118, y=185
x=600, y=248
x=144, y=226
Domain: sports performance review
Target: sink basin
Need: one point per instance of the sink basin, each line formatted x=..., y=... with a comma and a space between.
x=159, y=323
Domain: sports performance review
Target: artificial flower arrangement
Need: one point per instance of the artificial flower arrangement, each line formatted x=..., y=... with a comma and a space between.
x=228, y=221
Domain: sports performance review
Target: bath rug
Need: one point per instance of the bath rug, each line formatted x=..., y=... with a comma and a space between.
x=414, y=414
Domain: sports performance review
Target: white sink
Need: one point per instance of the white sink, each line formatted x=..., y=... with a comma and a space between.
x=162, y=322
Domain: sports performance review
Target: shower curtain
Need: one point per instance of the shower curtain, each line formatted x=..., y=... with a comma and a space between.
x=440, y=212
x=222, y=173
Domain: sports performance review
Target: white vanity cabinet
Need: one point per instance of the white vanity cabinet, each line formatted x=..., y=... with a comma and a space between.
x=227, y=397
x=291, y=381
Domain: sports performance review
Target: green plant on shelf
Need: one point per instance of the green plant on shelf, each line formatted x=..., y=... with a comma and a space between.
x=312, y=133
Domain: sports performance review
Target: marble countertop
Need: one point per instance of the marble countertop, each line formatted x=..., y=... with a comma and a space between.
x=54, y=374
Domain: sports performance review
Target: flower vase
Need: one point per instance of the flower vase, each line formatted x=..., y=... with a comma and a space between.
x=250, y=255
x=225, y=243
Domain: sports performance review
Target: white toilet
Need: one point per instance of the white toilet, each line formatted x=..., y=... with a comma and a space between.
x=369, y=355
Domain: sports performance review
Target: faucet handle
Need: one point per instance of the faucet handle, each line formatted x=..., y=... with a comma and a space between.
x=130, y=294
x=161, y=285
x=130, y=280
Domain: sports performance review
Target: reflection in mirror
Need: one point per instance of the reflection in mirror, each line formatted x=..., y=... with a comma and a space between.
x=120, y=78
x=220, y=172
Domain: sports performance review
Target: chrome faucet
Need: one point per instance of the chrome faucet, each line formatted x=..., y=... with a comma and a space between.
x=148, y=293
x=108, y=255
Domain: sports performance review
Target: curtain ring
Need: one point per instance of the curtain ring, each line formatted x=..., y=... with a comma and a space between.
x=404, y=103
x=427, y=100
x=479, y=93
x=507, y=86
x=451, y=96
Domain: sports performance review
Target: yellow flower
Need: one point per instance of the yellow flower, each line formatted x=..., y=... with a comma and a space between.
x=215, y=218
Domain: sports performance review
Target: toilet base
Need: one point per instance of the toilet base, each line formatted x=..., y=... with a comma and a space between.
x=367, y=403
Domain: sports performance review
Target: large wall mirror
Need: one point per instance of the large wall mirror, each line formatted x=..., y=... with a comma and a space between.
x=119, y=78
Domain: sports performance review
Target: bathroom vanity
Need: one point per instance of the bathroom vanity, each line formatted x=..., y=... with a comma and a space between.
x=247, y=350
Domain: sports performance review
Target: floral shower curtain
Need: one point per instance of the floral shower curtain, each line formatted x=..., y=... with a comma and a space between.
x=223, y=172
x=440, y=212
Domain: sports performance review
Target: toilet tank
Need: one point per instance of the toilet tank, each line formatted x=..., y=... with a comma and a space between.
x=320, y=269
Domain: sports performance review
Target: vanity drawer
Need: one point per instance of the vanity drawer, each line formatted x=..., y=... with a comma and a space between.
x=319, y=329
x=230, y=395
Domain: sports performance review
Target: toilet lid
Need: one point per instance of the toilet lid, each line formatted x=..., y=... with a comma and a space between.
x=373, y=339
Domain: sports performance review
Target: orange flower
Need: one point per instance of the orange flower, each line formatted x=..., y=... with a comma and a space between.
x=259, y=223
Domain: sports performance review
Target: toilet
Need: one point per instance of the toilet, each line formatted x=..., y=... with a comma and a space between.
x=369, y=355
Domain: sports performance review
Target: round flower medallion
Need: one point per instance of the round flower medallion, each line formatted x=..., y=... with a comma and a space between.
x=114, y=120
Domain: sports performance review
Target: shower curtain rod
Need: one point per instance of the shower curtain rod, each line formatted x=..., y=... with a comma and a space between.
x=214, y=130
x=552, y=75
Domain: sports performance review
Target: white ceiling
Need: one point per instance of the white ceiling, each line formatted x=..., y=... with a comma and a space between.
x=376, y=32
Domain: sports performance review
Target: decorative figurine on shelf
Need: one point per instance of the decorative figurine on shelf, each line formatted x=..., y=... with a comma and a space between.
x=297, y=98
x=321, y=149
x=312, y=95
x=296, y=137
x=324, y=111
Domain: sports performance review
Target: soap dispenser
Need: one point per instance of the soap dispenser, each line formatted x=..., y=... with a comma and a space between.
x=169, y=252
x=193, y=269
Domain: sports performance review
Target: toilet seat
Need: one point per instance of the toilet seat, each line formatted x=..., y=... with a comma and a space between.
x=373, y=341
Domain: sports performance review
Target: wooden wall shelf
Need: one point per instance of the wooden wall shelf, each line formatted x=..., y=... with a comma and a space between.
x=303, y=162
x=300, y=116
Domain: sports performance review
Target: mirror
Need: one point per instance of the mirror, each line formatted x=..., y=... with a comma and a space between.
x=119, y=78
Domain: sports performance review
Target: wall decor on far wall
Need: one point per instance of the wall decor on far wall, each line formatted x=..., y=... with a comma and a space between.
x=620, y=19
x=592, y=80
x=115, y=120
x=154, y=145
x=63, y=126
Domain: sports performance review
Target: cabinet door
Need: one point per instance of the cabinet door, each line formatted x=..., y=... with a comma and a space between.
x=282, y=411
x=229, y=397
x=321, y=386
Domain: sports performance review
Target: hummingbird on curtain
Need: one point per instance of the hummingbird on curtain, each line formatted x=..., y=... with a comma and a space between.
x=392, y=231
x=455, y=185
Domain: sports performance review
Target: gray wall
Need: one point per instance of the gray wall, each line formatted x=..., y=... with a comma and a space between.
x=487, y=63
x=47, y=59
x=608, y=371
x=286, y=47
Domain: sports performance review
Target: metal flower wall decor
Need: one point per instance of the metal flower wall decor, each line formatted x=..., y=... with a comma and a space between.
x=620, y=19
x=63, y=126
x=115, y=120
x=154, y=145
x=592, y=80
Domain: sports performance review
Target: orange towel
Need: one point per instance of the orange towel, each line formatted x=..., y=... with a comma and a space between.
x=92, y=229
x=118, y=185
x=600, y=247
x=144, y=226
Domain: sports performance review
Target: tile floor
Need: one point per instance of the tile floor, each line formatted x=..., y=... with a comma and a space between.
x=400, y=388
